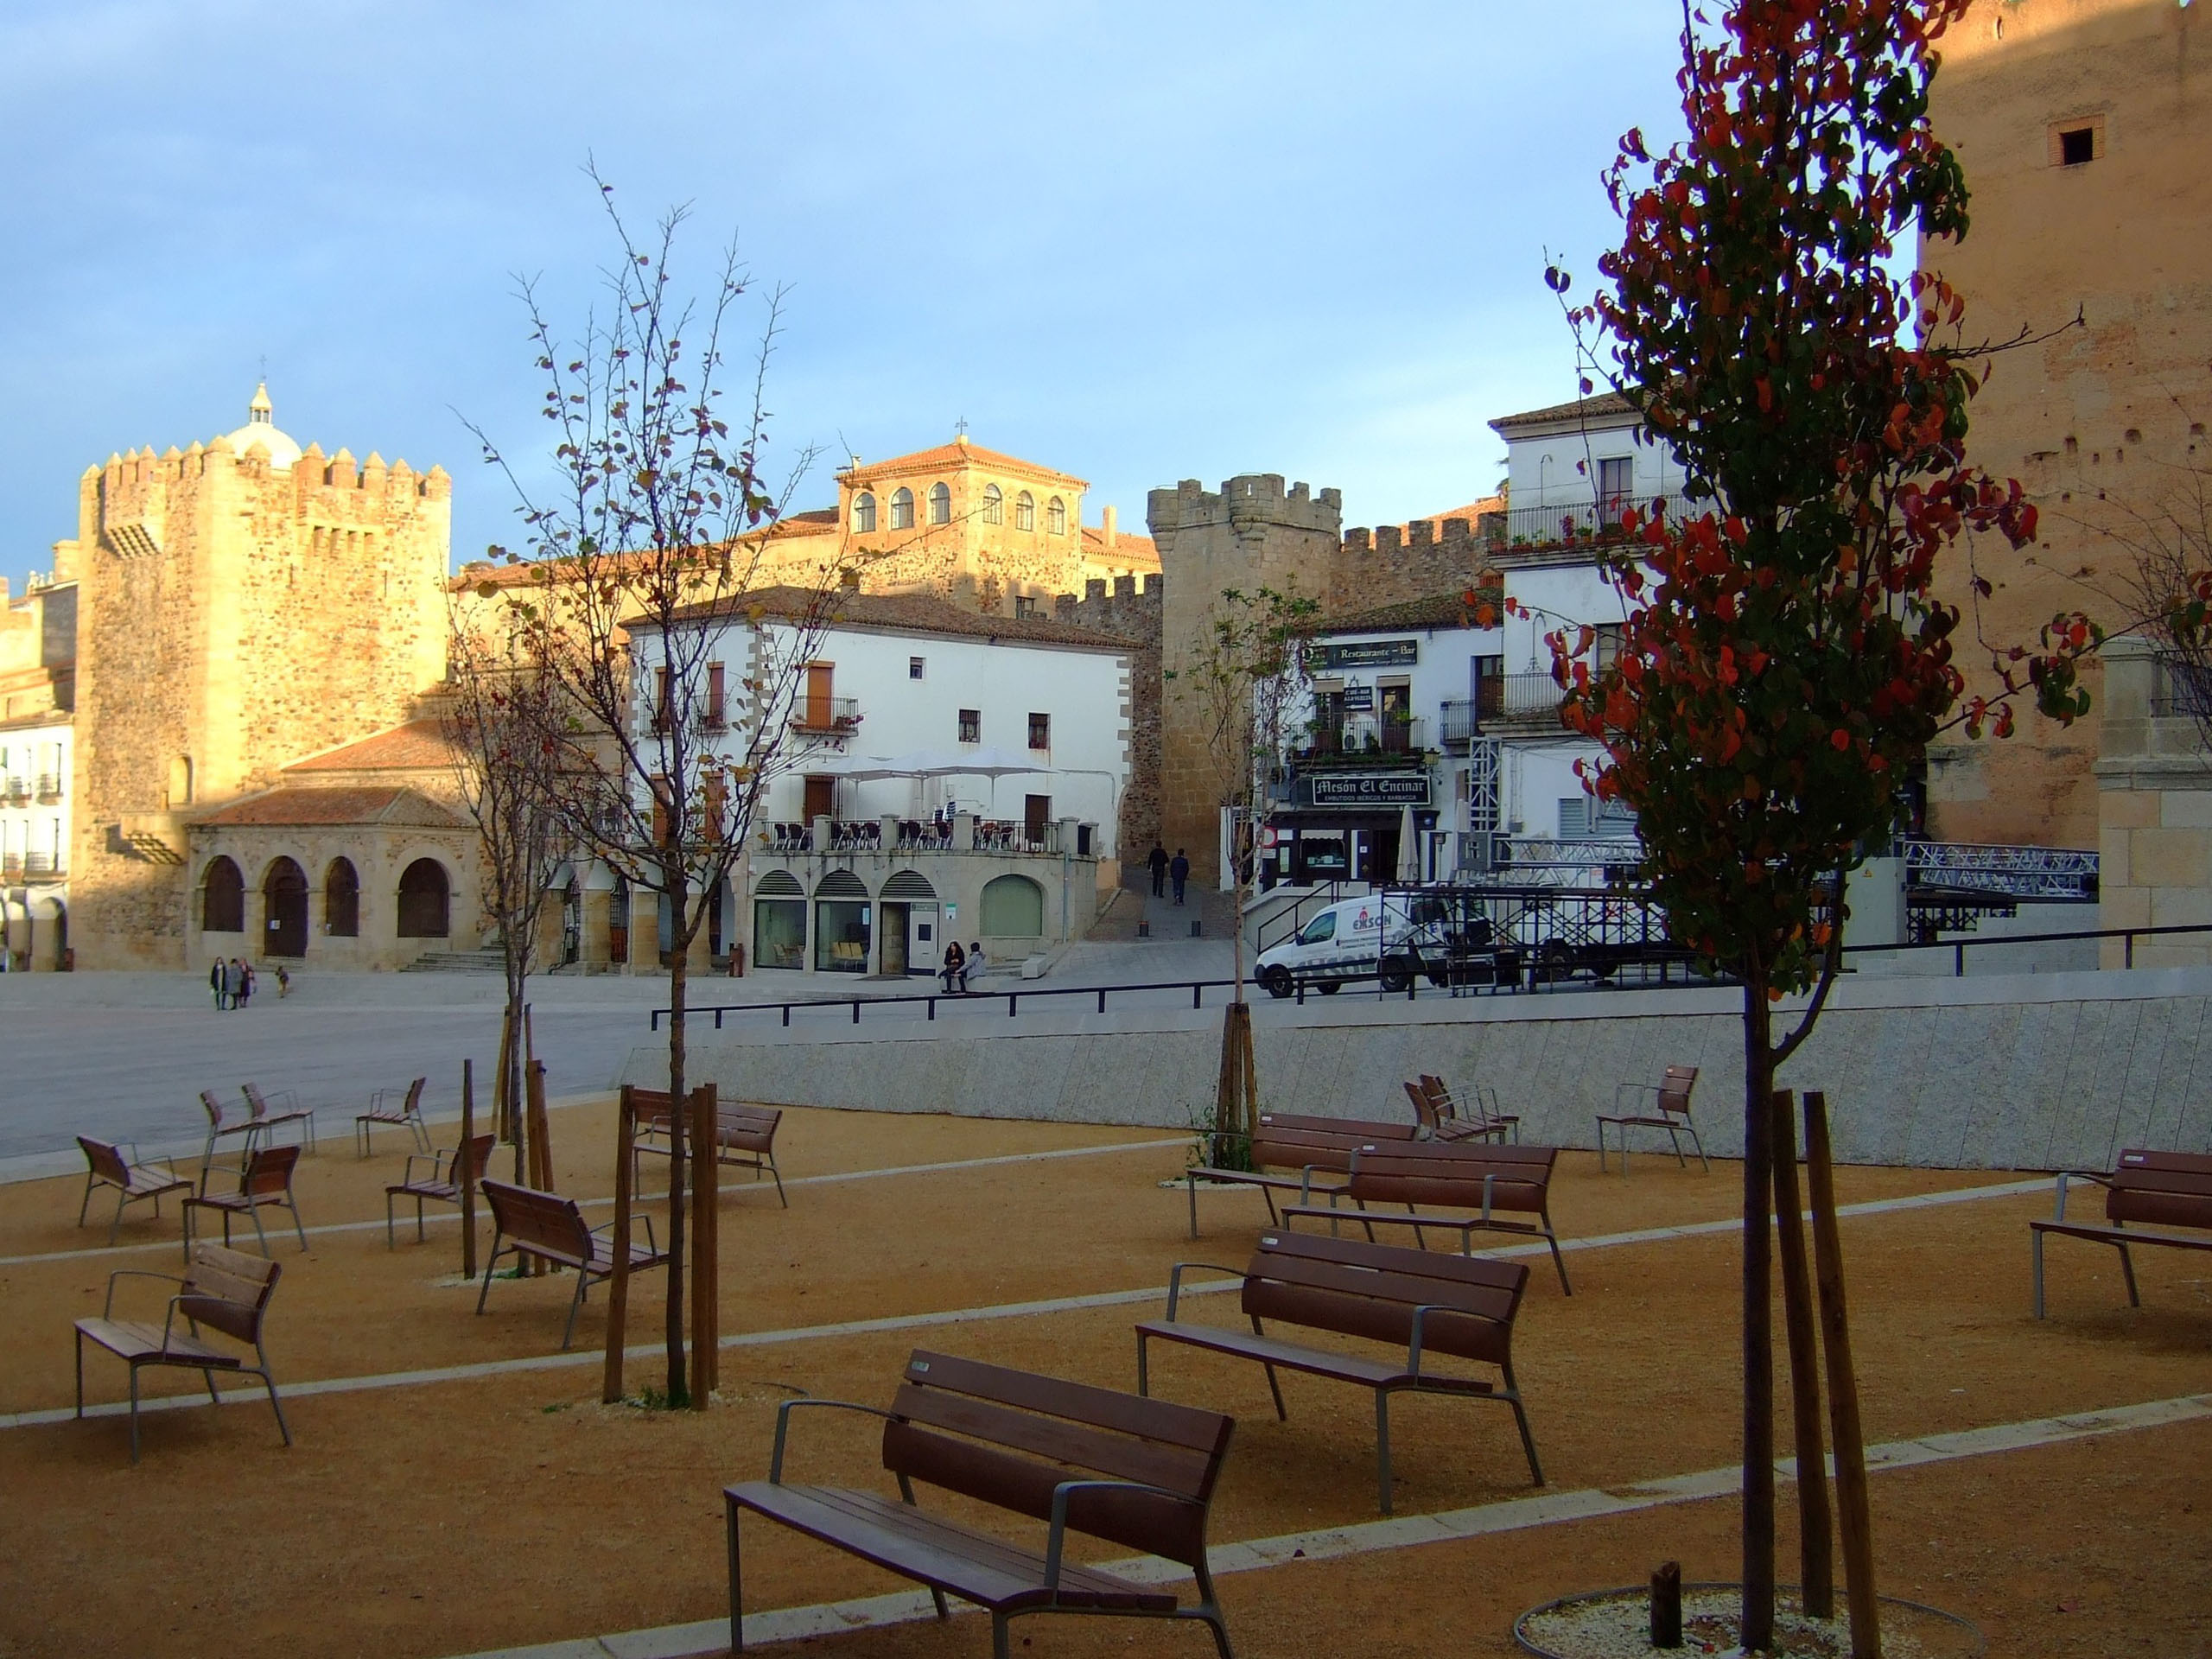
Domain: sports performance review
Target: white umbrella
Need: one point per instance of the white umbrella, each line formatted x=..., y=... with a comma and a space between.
x=1409, y=848
x=972, y=763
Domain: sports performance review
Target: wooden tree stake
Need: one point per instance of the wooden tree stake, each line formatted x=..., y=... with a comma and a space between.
x=468, y=1169
x=618, y=1283
x=1856, y=1516
x=706, y=1242
x=541, y=1149
x=1816, y=1552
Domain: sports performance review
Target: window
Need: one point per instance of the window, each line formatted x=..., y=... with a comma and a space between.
x=1606, y=647
x=864, y=512
x=994, y=505
x=902, y=509
x=1320, y=930
x=2076, y=145
x=715, y=713
x=663, y=829
x=940, y=505
x=660, y=699
x=222, y=898
x=971, y=725
x=1055, y=517
x=1040, y=731
x=1025, y=511
x=1616, y=482
x=1024, y=604
x=914, y=667
x=342, y=900
x=1012, y=907
x=423, y=894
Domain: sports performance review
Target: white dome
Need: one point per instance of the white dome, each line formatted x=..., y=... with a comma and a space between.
x=260, y=428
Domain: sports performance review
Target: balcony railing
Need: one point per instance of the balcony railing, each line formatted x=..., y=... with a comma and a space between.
x=19, y=790
x=50, y=786
x=1567, y=524
x=1378, y=734
x=827, y=717
x=42, y=864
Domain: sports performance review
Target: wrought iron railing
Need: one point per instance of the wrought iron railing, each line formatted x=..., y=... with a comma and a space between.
x=831, y=715
x=1567, y=524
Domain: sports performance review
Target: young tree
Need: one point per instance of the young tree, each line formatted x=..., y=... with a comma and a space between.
x=660, y=512
x=1783, y=662
x=2166, y=580
x=500, y=718
x=1243, y=679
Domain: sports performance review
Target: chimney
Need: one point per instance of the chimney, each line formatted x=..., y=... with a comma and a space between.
x=1106, y=531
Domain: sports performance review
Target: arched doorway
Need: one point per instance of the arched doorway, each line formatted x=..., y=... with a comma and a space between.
x=910, y=922
x=424, y=900
x=222, y=897
x=1013, y=908
x=840, y=924
x=284, y=895
x=342, y=900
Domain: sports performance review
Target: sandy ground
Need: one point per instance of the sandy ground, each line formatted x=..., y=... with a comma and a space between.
x=445, y=1517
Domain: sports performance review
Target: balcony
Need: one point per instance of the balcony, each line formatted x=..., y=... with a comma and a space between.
x=1591, y=524
x=827, y=717
x=40, y=865
x=18, y=791
x=1372, y=739
x=50, y=786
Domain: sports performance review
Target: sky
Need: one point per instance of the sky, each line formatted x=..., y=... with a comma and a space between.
x=1137, y=242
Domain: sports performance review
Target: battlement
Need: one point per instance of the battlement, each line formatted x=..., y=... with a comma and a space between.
x=1248, y=501
x=1126, y=611
x=1420, y=536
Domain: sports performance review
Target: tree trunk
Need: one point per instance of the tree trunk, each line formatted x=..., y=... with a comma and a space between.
x=678, y=1394
x=1758, y=1619
x=1843, y=1390
x=1815, y=1550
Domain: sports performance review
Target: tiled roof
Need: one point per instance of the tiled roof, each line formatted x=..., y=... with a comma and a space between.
x=1438, y=611
x=908, y=613
x=301, y=807
x=957, y=454
x=1137, y=549
x=478, y=572
x=1605, y=404
x=419, y=745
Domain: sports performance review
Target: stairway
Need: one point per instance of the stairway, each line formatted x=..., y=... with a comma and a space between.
x=457, y=962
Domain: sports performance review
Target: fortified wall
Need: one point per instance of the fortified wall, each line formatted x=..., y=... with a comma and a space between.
x=1392, y=563
x=237, y=611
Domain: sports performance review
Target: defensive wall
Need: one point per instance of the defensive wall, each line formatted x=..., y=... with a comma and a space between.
x=2040, y=1071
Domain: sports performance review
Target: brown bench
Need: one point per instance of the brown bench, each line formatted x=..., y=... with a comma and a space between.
x=526, y=1221
x=1440, y=1118
x=1497, y=1183
x=1668, y=1110
x=225, y=1289
x=400, y=1110
x=1136, y=1472
x=110, y=1164
x=2154, y=1189
x=440, y=1184
x=1316, y=1147
x=745, y=1136
x=1418, y=1303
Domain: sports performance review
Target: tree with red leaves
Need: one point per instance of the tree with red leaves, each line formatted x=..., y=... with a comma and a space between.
x=1785, y=663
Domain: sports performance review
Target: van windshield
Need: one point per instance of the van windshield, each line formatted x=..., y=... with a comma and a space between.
x=1323, y=926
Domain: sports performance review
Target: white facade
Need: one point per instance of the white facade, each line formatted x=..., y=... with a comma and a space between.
x=35, y=830
x=1578, y=458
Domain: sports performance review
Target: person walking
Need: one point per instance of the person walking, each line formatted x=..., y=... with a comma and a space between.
x=215, y=984
x=283, y=982
x=955, y=959
x=976, y=965
x=1156, y=862
x=233, y=982
x=245, y=983
x=1180, y=872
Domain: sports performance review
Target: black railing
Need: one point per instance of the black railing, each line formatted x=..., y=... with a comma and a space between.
x=1593, y=522
x=1197, y=989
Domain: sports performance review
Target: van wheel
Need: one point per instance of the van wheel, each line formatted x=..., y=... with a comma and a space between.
x=1557, y=958
x=1276, y=982
x=1396, y=976
x=1330, y=987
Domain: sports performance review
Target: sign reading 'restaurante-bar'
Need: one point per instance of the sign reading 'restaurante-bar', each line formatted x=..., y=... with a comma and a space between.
x=1371, y=653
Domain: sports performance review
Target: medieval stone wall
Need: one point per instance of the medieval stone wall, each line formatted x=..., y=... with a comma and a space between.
x=232, y=617
x=1388, y=566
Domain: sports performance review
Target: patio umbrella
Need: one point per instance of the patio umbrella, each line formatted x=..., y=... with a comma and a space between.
x=1409, y=848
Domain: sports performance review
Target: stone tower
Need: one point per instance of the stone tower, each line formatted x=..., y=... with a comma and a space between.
x=241, y=604
x=1253, y=534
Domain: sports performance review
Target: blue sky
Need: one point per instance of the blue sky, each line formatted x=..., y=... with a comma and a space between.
x=1138, y=241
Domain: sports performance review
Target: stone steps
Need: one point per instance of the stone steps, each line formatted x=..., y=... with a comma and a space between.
x=457, y=962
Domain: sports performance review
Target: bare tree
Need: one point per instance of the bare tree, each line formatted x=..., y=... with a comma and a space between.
x=500, y=716
x=660, y=516
x=2167, y=583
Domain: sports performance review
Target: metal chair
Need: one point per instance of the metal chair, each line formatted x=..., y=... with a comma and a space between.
x=117, y=1165
x=1670, y=1110
x=283, y=1107
x=449, y=1172
x=389, y=1106
x=264, y=1183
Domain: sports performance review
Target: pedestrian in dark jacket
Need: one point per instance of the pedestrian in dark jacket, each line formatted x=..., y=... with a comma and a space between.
x=1156, y=862
x=954, y=960
x=215, y=984
x=1179, y=871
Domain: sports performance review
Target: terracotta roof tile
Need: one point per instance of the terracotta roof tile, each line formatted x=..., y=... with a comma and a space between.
x=1605, y=404
x=909, y=614
x=419, y=745
x=1437, y=611
x=955, y=454
x=1138, y=549
x=293, y=807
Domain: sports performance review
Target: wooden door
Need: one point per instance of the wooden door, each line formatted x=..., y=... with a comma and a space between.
x=818, y=686
x=1036, y=813
x=820, y=798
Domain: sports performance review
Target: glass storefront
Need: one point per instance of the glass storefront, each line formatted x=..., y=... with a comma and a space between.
x=841, y=936
x=779, y=932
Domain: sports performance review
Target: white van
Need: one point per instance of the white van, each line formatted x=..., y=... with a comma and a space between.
x=1344, y=942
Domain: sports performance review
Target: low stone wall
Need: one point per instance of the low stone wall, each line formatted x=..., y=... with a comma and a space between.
x=2052, y=1070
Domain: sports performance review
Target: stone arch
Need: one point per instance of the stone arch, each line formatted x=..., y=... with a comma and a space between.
x=910, y=885
x=284, y=901
x=425, y=900
x=1013, y=908
x=342, y=900
x=222, y=897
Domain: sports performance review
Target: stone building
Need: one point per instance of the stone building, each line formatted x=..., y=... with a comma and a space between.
x=240, y=604
x=2154, y=796
x=2081, y=126
x=38, y=694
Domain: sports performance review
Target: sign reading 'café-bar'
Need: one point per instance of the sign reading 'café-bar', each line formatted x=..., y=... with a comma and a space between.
x=1369, y=789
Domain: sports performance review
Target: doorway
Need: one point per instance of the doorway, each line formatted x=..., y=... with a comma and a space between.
x=821, y=799
x=285, y=891
x=1036, y=813
x=896, y=919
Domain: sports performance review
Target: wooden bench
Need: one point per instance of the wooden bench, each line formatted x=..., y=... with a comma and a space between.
x=1497, y=1183
x=745, y=1136
x=224, y=1290
x=110, y=1164
x=2154, y=1189
x=526, y=1221
x=443, y=1183
x=1316, y=1147
x=1440, y=1118
x=1670, y=1109
x=1419, y=1304
x=401, y=1110
x=1136, y=1472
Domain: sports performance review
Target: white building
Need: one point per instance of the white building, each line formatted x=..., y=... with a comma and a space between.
x=36, y=753
x=959, y=775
